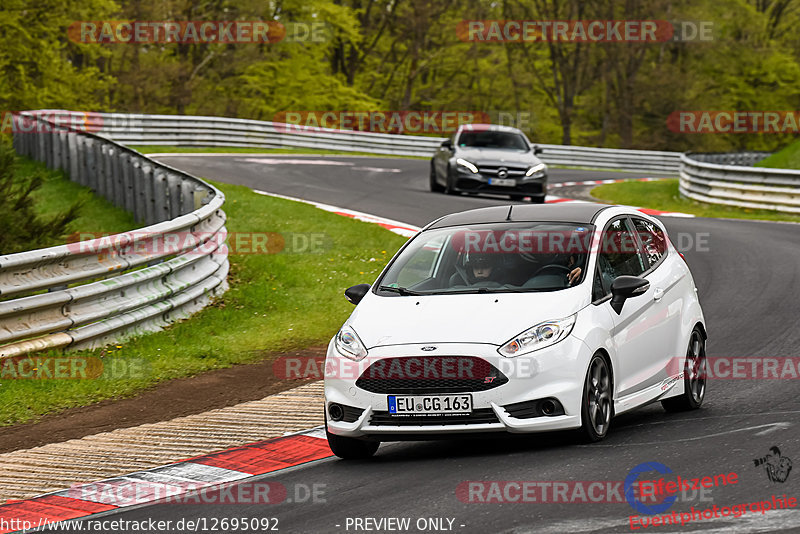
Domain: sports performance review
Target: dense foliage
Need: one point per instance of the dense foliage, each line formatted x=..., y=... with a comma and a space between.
x=407, y=55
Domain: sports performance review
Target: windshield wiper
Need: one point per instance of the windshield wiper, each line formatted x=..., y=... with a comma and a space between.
x=480, y=290
x=399, y=290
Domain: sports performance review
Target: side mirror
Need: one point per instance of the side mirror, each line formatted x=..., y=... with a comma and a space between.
x=448, y=144
x=537, y=150
x=625, y=287
x=356, y=293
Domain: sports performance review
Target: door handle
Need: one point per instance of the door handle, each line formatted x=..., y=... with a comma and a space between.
x=658, y=294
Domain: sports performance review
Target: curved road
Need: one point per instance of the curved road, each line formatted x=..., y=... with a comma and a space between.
x=747, y=276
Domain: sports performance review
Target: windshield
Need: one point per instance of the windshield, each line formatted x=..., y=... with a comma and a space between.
x=507, y=257
x=490, y=139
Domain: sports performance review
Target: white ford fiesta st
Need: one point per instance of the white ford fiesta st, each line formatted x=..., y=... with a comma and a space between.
x=517, y=319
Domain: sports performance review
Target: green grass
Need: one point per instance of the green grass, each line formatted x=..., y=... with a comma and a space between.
x=283, y=301
x=57, y=194
x=664, y=195
x=153, y=149
x=786, y=158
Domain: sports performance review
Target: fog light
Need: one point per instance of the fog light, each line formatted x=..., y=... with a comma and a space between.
x=335, y=412
x=548, y=407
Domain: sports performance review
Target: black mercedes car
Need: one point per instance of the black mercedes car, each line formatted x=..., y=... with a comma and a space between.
x=487, y=158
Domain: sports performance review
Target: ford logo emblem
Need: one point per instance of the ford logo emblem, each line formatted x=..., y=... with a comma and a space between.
x=428, y=349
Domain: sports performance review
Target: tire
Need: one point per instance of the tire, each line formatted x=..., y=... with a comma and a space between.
x=597, y=406
x=450, y=189
x=537, y=200
x=517, y=197
x=694, y=377
x=351, y=448
x=434, y=185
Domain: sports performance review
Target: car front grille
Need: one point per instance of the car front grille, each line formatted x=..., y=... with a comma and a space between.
x=478, y=416
x=494, y=170
x=421, y=375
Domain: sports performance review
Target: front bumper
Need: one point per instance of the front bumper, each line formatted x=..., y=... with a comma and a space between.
x=479, y=183
x=555, y=372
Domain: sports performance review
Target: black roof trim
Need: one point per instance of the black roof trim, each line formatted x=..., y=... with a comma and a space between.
x=578, y=212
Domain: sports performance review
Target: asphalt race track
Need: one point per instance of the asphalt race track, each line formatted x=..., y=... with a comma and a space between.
x=747, y=276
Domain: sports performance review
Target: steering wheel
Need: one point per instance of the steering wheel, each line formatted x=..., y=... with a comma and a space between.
x=552, y=266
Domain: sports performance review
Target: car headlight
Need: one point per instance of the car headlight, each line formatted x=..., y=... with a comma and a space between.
x=349, y=344
x=464, y=163
x=538, y=337
x=540, y=167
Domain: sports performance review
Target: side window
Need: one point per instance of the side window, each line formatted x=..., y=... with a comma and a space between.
x=597, y=288
x=619, y=254
x=653, y=240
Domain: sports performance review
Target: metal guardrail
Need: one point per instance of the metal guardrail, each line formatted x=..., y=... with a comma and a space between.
x=729, y=182
x=177, y=130
x=703, y=176
x=108, y=288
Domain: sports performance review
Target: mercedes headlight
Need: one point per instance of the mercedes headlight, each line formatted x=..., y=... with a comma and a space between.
x=464, y=163
x=538, y=337
x=539, y=167
x=349, y=344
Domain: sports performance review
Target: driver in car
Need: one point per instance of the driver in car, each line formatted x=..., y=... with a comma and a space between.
x=477, y=267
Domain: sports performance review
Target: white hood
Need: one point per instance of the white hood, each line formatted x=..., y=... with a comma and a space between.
x=466, y=318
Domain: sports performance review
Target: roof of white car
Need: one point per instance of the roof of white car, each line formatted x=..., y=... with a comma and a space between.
x=487, y=127
x=575, y=212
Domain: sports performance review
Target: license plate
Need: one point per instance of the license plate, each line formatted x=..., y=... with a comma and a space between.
x=505, y=182
x=429, y=404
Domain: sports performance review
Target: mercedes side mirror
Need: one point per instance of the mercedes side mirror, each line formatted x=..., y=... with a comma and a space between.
x=448, y=144
x=356, y=293
x=537, y=150
x=625, y=287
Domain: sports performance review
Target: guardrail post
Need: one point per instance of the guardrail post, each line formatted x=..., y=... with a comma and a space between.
x=81, y=149
x=138, y=190
x=91, y=168
x=147, y=188
x=51, y=149
x=116, y=178
x=58, y=150
x=160, y=200
x=127, y=176
x=106, y=156
x=174, y=184
x=187, y=198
